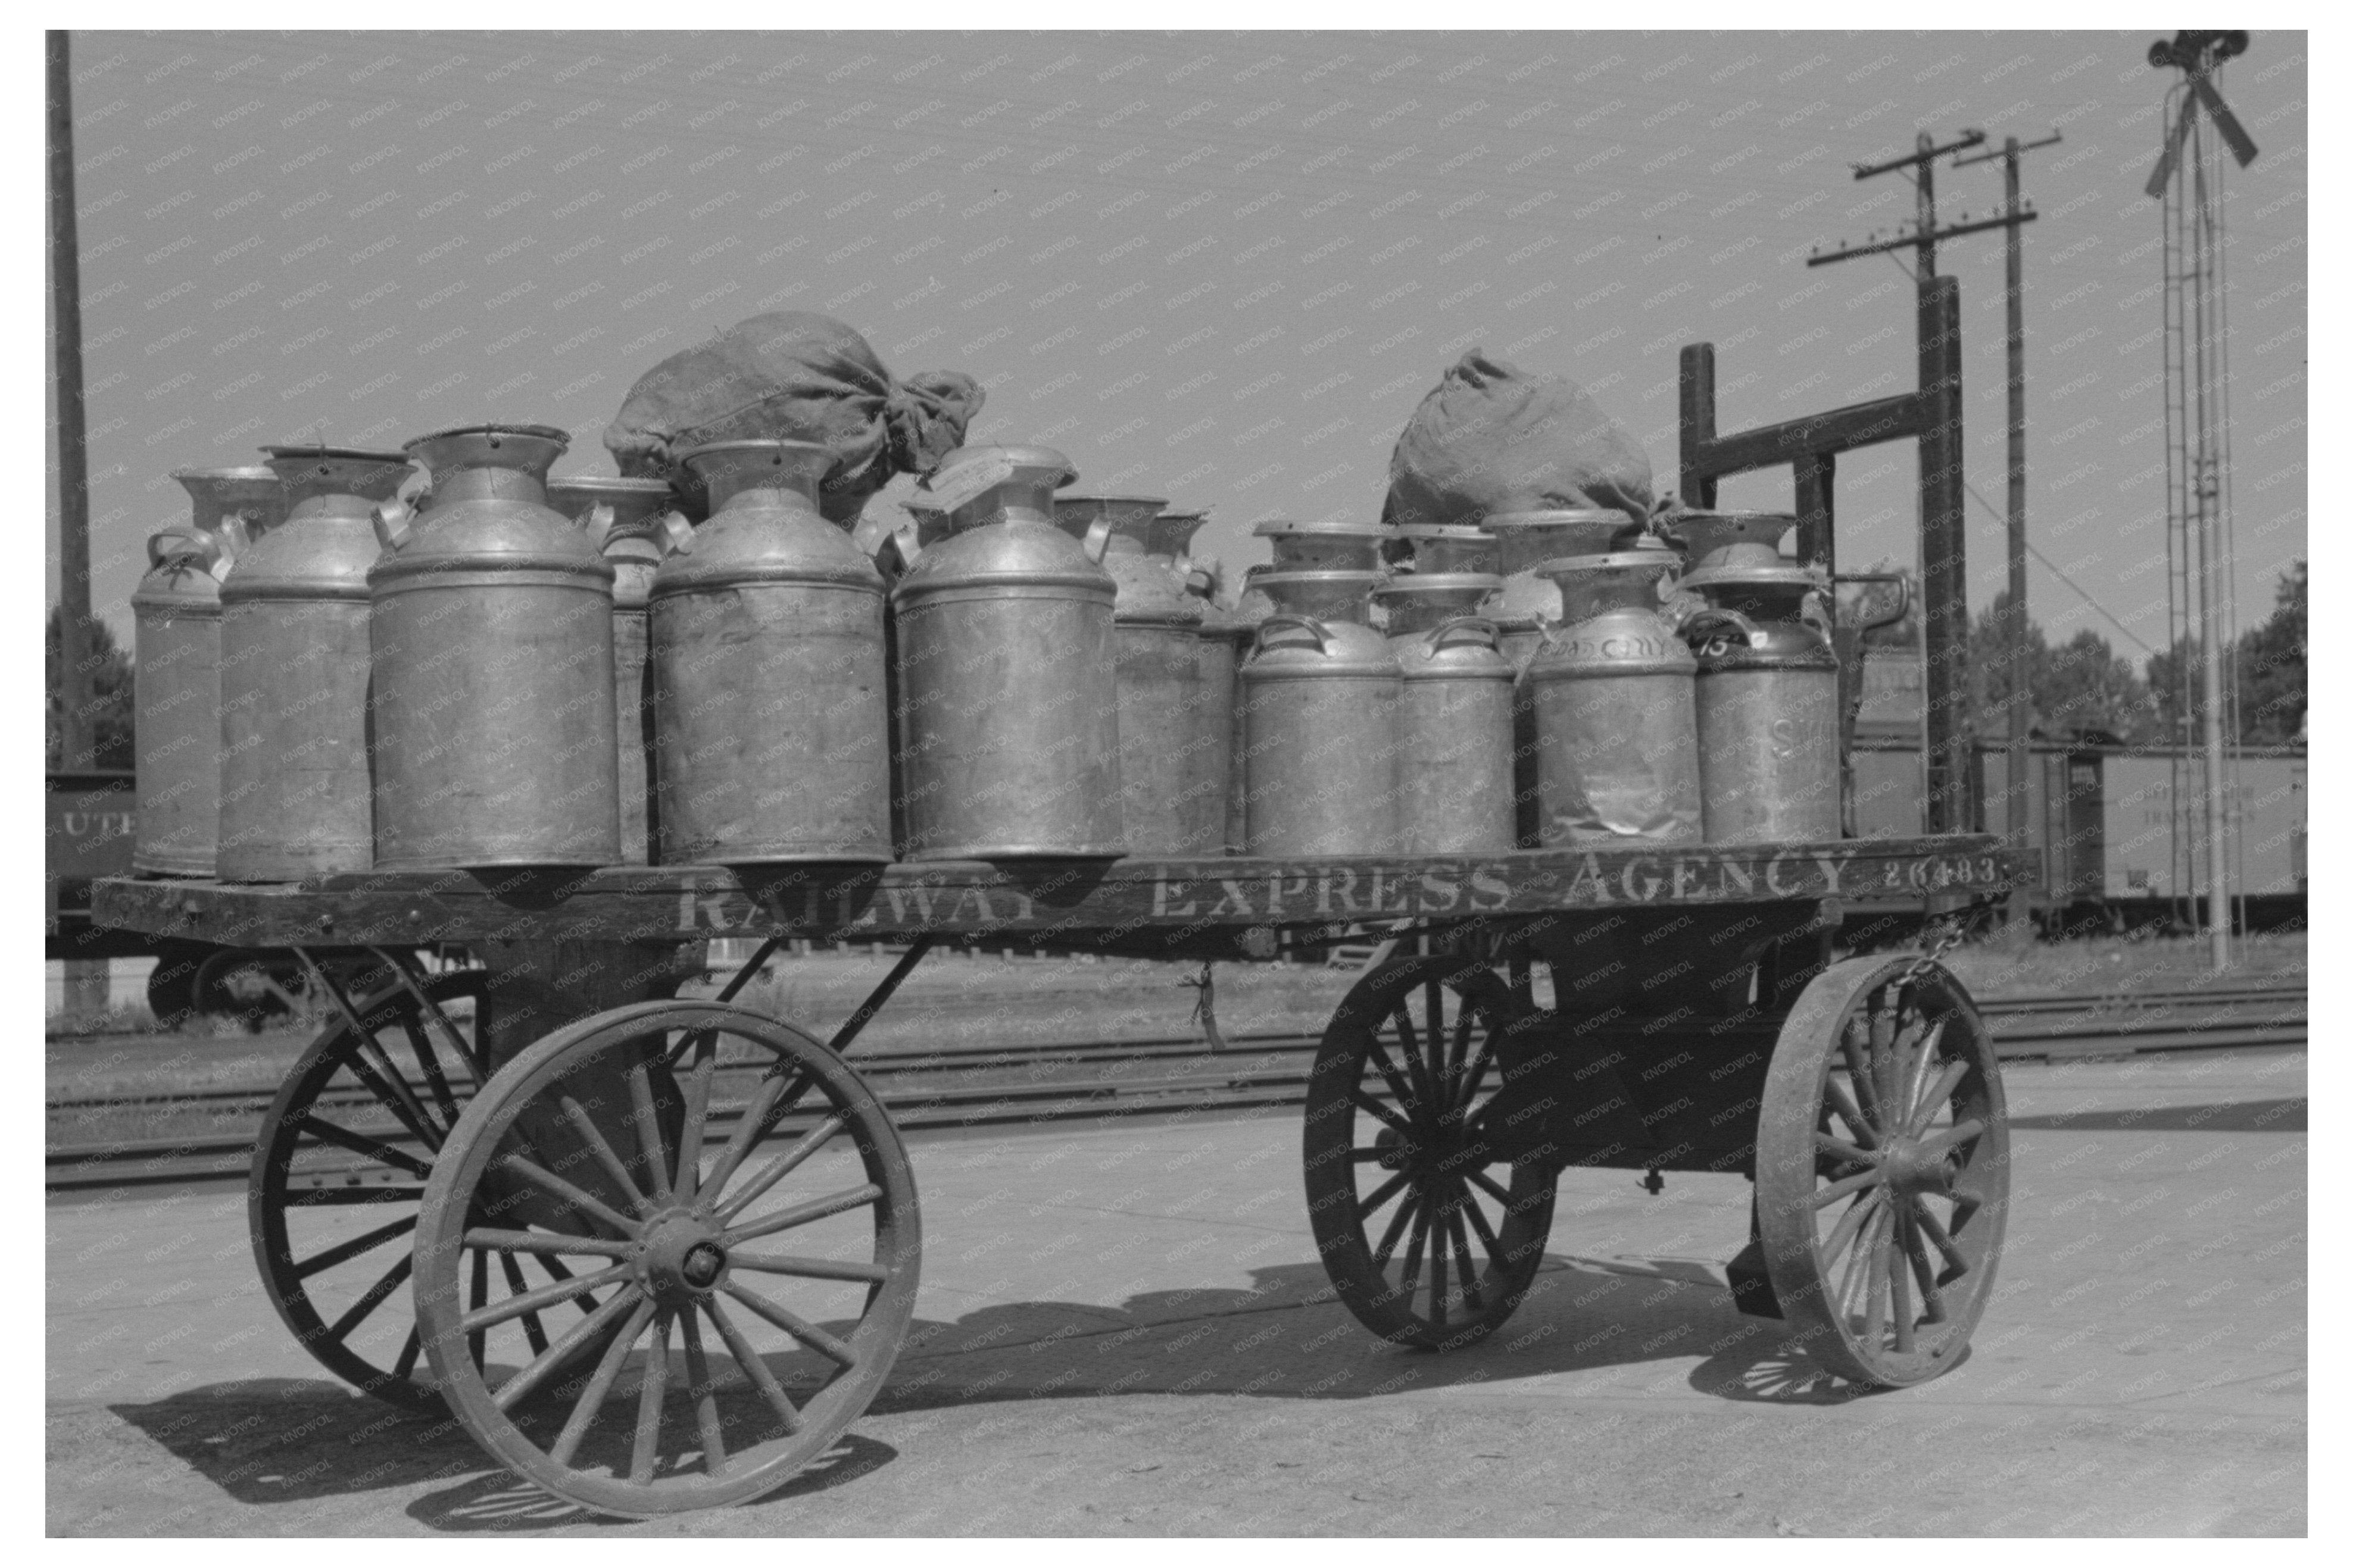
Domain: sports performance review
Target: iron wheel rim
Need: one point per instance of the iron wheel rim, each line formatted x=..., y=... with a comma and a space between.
x=329, y=1068
x=1392, y=1173
x=663, y=1291
x=1883, y=1169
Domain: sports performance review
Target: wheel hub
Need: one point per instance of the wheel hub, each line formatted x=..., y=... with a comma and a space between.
x=682, y=1256
x=1909, y=1170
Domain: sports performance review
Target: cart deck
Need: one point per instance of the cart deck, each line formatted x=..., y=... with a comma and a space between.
x=1229, y=907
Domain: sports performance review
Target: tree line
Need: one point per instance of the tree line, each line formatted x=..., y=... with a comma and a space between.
x=2082, y=688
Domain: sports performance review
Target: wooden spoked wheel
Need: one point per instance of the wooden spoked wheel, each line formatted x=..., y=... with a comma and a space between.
x=339, y=1173
x=1883, y=1168
x=1429, y=1240
x=736, y=1223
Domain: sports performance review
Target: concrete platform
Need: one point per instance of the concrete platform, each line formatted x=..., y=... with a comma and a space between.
x=1124, y=1330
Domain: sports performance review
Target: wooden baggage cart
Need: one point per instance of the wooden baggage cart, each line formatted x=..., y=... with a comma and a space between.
x=658, y=1253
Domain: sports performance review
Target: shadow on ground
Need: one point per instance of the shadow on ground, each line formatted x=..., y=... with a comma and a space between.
x=291, y=1440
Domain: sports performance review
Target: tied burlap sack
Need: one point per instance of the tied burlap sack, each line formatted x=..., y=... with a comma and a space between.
x=1492, y=438
x=794, y=375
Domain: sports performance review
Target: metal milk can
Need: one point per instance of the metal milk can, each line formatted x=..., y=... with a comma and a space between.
x=1174, y=716
x=1617, y=737
x=1524, y=606
x=1725, y=538
x=623, y=518
x=1225, y=633
x=1454, y=716
x=1320, y=696
x=769, y=706
x=1767, y=684
x=294, y=724
x=176, y=667
x=1328, y=546
x=1228, y=634
x=1008, y=679
x=1449, y=550
x=490, y=632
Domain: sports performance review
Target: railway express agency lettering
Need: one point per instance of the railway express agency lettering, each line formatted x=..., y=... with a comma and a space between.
x=1204, y=893
x=1477, y=886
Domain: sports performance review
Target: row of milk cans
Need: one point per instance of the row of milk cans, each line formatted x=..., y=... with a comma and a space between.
x=339, y=670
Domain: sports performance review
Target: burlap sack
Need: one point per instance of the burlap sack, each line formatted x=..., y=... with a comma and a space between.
x=1494, y=438
x=797, y=376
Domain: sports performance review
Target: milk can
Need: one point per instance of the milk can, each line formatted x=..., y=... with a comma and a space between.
x=1320, y=696
x=1237, y=629
x=1176, y=706
x=1524, y=606
x=490, y=630
x=1767, y=684
x=623, y=518
x=176, y=668
x=769, y=706
x=294, y=793
x=1008, y=696
x=1616, y=739
x=1329, y=546
x=1720, y=538
x=1454, y=716
x=1225, y=633
x=1449, y=550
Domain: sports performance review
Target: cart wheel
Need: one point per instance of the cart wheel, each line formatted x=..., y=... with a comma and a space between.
x=1395, y=1193
x=339, y=1173
x=172, y=984
x=1883, y=1168
x=787, y=1282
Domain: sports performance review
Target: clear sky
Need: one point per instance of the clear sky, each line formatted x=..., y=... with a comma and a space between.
x=1218, y=267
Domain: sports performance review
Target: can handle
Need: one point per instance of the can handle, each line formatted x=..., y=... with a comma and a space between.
x=665, y=540
x=1309, y=623
x=1098, y=539
x=1903, y=595
x=234, y=538
x=390, y=520
x=1716, y=627
x=596, y=520
x=907, y=543
x=1487, y=631
x=415, y=489
x=193, y=543
x=1200, y=582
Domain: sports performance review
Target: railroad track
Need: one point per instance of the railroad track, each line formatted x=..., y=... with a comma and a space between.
x=935, y=1091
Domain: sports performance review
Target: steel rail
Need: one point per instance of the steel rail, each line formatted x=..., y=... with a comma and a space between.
x=1237, y=1083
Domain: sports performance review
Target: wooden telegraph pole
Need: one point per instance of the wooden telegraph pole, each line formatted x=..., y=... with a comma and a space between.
x=2014, y=280
x=78, y=732
x=1943, y=557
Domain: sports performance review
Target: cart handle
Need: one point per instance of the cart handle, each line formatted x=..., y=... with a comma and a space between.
x=1309, y=623
x=1484, y=630
x=1903, y=595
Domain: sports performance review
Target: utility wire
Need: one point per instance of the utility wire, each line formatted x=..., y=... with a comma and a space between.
x=2062, y=576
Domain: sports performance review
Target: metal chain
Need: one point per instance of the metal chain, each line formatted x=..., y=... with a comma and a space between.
x=1944, y=934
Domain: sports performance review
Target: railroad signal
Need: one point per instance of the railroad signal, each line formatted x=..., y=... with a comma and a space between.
x=2195, y=55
